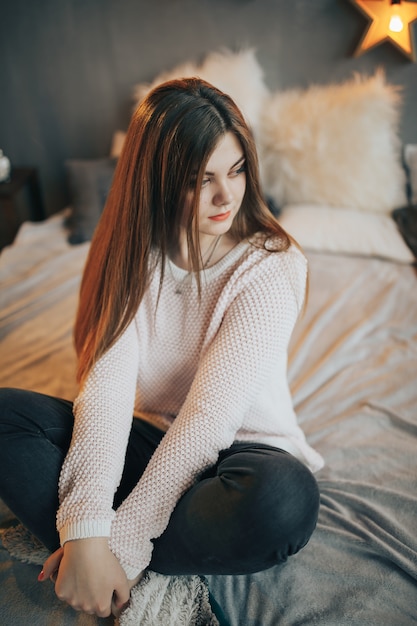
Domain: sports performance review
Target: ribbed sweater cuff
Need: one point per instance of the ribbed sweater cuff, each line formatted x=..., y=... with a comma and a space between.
x=84, y=529
x=131, y=572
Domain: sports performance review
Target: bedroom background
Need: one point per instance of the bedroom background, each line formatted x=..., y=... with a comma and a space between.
x=68, y=68
x=331, y=158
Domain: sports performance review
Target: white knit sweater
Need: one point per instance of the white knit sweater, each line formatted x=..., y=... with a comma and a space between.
x=212, y=371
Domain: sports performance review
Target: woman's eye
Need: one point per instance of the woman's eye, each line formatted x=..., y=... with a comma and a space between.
x=239, y=170
x=193, y=182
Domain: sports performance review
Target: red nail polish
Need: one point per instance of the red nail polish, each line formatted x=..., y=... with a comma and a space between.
x=41, y=576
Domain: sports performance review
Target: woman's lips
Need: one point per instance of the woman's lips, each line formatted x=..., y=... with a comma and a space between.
x=220, y=217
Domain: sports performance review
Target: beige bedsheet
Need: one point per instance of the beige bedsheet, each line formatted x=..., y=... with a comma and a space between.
x=353, y=371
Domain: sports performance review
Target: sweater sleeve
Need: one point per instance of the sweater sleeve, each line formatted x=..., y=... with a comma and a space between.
x=102, y=421
x=254, y=331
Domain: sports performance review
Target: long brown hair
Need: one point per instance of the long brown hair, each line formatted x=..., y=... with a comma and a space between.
x=169, y=141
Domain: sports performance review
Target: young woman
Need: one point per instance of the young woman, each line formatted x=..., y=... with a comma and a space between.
x=188, y=301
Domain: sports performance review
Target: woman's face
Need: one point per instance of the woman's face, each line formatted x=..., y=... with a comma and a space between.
x=223, y=187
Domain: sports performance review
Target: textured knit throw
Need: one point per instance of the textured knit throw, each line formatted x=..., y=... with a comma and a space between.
x=156, y=601
x=169, y=601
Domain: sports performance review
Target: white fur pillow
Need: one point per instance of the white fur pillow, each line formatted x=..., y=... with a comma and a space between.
x=345, y=231
x=336, y=145
x=237, y=74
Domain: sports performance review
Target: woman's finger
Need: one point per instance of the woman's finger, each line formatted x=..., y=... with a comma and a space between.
x=53, y=576
x=120, y=600
x=51, y=565
x=117, y=609
x=118, y=604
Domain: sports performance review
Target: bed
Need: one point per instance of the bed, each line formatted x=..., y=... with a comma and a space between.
x=352, y=370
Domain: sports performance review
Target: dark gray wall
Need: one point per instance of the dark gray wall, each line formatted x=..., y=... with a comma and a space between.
x=67, y=67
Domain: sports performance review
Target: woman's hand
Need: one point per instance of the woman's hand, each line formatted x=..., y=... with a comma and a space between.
x=89, y=577
x=116, y=610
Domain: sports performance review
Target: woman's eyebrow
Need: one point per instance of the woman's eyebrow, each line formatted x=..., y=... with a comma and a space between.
x=238, y=162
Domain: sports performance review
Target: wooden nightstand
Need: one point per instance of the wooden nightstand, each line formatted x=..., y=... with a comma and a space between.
x=23, y=182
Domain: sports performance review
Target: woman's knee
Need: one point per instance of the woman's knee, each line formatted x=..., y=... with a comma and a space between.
x=279, y=498
x=295, y=503
x=11, y=401
x=28, y=413
x=7, y=396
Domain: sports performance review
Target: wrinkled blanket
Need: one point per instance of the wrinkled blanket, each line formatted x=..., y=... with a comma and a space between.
x=353, y=367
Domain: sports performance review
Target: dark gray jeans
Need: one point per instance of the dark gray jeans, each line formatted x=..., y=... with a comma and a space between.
x=256, y=506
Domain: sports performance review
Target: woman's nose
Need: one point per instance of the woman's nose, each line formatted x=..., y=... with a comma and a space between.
x=223, y=195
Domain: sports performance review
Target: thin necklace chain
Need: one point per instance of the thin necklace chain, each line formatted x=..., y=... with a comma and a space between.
x=181, y=285
x=210, y=256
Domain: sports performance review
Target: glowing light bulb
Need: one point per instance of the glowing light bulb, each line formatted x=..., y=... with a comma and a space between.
x=396, y=23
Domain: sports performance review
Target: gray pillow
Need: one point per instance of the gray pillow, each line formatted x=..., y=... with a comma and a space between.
x=406, y=220
x=89, y=182
x=410, y=158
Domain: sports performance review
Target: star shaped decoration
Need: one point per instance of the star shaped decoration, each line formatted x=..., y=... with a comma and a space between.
x=388, y=21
